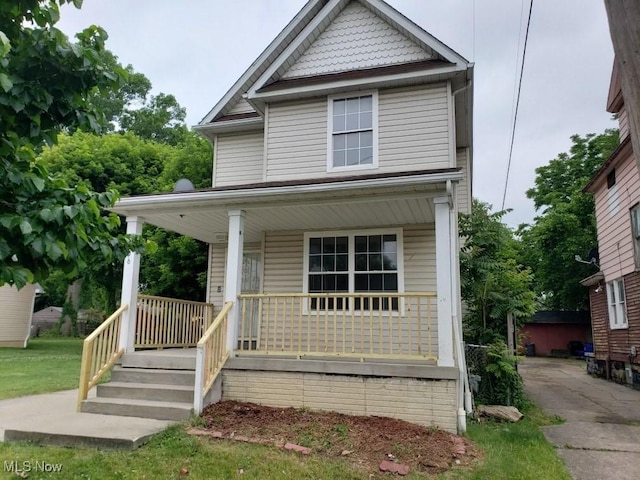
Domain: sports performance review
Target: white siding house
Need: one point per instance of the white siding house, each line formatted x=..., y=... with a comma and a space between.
x=16, y=307
x=342, y=158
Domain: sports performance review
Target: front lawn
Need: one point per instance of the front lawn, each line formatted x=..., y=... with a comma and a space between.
x=46, y=365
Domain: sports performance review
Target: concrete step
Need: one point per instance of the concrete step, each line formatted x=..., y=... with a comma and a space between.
x=173, y=359
x=146, y=391
x=174, y=411
x=153, y=375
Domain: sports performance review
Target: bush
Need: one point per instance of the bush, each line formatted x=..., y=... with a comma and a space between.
x=501, y=383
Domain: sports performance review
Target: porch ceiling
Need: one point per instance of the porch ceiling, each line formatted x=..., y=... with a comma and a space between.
x=205, y=217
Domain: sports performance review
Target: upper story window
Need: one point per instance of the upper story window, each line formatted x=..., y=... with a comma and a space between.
x=616, y=304
x=635, y=232
x=611, y=178
x=353, y=132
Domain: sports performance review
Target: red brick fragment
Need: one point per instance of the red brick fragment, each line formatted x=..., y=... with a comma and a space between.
x=392, y=467
x=297, y=448
x=204, y=433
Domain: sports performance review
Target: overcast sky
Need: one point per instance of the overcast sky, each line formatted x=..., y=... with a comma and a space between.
x=196, y=49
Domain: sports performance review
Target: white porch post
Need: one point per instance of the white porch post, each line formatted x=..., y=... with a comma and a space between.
x=444, y=278
x=233, y=275
x=129, y=296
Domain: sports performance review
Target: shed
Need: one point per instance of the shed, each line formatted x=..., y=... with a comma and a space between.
x=554, y=330
x=16, y=307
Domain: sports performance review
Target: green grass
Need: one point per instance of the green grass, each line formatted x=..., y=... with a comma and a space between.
x=515, y=450
x=46, y=365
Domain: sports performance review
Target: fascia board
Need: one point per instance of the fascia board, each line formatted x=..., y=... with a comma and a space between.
x=230, y=126
x=256, y=195
x=338, y=86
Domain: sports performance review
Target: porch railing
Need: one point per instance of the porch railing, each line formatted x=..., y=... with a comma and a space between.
x=361, y=325
x=100, y=352
x=166, y=322
x=211, y=355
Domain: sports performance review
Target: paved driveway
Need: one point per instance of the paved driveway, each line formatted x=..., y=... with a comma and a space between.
x=600, y=438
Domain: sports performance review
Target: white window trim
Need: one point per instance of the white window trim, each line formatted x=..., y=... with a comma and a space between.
x=374, y=127
x=351, y=234
x=618, y=310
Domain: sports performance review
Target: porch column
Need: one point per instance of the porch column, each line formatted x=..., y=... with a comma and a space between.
x=444, y=278
x=233, y=275
x=129, y=296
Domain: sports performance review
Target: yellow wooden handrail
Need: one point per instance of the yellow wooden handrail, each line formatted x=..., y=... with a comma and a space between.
x=100, y=351
x=163, y=322
x=358, y=325
x=211, y=355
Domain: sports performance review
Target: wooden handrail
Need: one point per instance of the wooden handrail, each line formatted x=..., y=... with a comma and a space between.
x=163, y=322
x=358, y=325
x=100, y=351
x=211, y=355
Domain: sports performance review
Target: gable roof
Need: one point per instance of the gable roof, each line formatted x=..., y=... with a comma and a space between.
x=300, y=34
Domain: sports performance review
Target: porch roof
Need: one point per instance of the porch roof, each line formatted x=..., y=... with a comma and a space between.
x=321, y=204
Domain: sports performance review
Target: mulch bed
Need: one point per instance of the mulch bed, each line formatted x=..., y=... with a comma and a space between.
x=365, y=441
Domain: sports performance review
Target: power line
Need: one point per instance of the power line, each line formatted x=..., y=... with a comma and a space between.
x=515, y=116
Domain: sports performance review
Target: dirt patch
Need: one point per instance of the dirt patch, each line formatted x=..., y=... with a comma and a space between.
x=365, y=441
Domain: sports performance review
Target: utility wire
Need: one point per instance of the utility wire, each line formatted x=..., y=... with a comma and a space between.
x=515, y=116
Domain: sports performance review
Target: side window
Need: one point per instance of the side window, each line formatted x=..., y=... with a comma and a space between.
x=635, y=232
x=616, y=304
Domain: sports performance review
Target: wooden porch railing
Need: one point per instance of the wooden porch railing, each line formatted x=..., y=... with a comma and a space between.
x=166, y=322
x=362, y=325
x=100, y=352
x=211, y=355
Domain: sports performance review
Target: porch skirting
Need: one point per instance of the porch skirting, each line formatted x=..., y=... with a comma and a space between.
x=423, y=401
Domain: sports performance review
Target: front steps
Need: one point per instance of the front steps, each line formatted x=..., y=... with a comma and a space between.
x=156, y=384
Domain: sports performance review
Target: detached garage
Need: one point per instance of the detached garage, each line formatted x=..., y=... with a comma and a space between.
x=556, y=333
x=16, y=307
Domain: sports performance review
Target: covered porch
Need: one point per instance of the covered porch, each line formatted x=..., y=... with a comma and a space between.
x=274, y=321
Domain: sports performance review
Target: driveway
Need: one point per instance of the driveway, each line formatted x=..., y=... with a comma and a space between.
x=600, y=438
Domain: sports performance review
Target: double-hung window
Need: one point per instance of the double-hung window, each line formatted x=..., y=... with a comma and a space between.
x=616, y=304
x=635, y=232
x=355, y=262
x=353, y=132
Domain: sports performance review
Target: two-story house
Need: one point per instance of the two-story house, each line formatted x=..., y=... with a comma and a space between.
x=342, y=158
x=614, y=291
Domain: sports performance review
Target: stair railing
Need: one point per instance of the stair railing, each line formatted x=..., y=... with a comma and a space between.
x=211, y=355
x=100, y=351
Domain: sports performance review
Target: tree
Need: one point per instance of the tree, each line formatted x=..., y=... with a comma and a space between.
x=566, y=225
x=45, y=85
x=493, y=284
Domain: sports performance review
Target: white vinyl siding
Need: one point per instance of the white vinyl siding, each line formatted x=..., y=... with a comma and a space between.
x=216, y=277
x=464, y=187
x=413, y=129
x=413, y=134
x=297, y=140
x=617, y=304
x=15, y=315
x=241, y=107
x=356, y=39
x=239, y=159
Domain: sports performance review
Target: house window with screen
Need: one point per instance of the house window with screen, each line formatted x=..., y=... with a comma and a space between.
x=616, y=304
x=353, y=132
x=635, y=232
x=354, y=263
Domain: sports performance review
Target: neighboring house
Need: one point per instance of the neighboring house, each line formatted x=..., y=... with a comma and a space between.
x=614, y=291
x=46, y=319
x=556, y=332
x=342, y=158
x=16, y=307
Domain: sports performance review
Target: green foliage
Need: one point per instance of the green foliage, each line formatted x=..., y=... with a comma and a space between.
x=161, y=119
x=45, y=84
x=501, y=383
x=493, y=284
x=566, y=226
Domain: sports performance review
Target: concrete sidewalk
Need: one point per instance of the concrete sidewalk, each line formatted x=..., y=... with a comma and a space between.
x=52, y=419
x=601, y=434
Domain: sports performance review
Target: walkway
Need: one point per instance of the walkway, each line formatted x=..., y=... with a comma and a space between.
x=52, y=419
x=600, y=438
